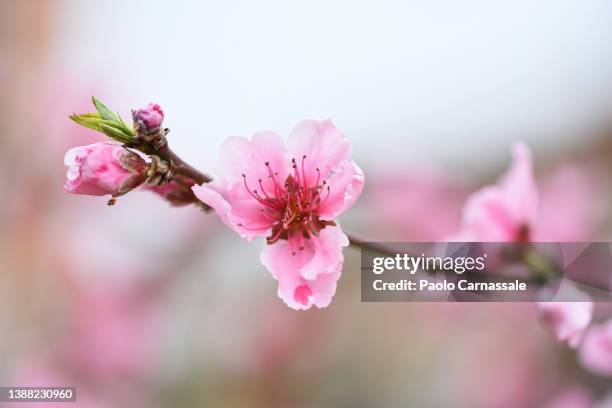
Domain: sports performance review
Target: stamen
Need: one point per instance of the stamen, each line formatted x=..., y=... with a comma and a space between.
x=304, y=174
x=275, y=237
x=295, y=171
x=263, y=190
x=256, y=196
x=322, y=201
x=250, y=228
x=276, y=184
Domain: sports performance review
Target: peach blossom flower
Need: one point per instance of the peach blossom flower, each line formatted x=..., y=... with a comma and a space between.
x=292, y=194
x=506, y=211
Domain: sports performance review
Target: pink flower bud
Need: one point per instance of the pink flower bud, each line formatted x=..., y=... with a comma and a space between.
x=151, y=117
x=103, y=168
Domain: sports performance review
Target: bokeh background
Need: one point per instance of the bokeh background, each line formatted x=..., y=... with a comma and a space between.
x=145, y=305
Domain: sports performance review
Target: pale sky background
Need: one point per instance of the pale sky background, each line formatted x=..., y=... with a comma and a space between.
x=406, y=81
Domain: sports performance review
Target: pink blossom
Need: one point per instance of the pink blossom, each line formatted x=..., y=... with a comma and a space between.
x=292, y=194
x=515, y=210
x=596, y=350
x=506, y=211
x=432, y=198
x=103, y=168
x=567, y=321
x=112, y=332
x=151, y=117
x=509, y=212
x=568, y=205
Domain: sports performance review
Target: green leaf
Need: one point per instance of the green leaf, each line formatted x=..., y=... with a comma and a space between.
x=115, y=133
x=107, y=122
x=89, y=120
x=125, y=126
x=106, y=113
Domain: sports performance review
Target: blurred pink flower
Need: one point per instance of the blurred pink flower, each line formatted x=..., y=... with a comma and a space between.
x=568, y=205
x=566, y=320
x=596, y=349
x=431, y=199
x=113, y=333
x=151, y=117
x=504, y=212
x=103, y=168
x=515, y=210
x=293, y=193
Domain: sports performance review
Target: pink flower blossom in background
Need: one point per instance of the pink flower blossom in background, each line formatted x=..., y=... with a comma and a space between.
x=569, y=205
x=506, y=211
x=151, y=117
x=567, y=321
x=113, y=332
x=516, y=210
x=413, y=204
x=510, y=211
x=596, y=349
x=292, y=194
x=103, y=168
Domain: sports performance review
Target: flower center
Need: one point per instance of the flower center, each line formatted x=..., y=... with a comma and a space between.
x=292, y=206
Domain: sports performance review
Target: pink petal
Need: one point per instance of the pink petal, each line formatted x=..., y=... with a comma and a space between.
x=596, y=350
x=519, y=187
x=568, y=206
x=324, y=146
x=487, y=218
x=96, y=169
x=327, y=252
x=498, y=212
x=566, y=320
x=240, y=155
x=237, y=209
x=308, y=277
x=345, y=186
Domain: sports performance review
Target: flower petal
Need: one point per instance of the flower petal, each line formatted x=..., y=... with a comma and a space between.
x=595, y=352
x=240, y=155
x=326, y=252
x=308, y=277
x=566, y=320
x=237, y=209
x=324, y=146
x=345, y=187
x=519, y=187
x=500, y=212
